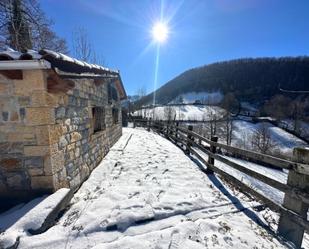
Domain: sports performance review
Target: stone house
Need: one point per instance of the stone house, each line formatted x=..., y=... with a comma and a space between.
x=58, y=119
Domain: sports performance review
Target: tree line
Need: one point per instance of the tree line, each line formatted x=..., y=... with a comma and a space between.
x=251, y=80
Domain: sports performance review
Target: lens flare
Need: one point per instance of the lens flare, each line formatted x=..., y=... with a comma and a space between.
x=160, y=32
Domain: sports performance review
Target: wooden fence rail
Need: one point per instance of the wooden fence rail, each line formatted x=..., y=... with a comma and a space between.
x=293, y=213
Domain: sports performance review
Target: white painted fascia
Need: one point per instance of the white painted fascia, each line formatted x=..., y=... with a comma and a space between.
x=24, y=65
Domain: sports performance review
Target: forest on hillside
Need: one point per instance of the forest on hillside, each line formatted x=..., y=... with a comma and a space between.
x=251, y=80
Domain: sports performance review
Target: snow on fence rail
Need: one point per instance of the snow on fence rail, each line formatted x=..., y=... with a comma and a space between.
x=293, y=219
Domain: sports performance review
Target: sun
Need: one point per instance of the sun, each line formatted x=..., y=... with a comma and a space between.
x=160, y=32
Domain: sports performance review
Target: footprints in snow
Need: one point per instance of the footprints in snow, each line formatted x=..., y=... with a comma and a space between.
x=184, y=204
x=122, y=218
x=165, y=171
x=135, y=194
x=175, y=240
x=117, y=170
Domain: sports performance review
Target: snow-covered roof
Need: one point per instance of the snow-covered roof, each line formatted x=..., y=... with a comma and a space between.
x=65, y=66
x=58, y=60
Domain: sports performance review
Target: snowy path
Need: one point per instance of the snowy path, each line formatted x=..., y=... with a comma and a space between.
x=147, y=194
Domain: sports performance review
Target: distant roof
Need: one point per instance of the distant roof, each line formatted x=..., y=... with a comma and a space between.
x=65, y=66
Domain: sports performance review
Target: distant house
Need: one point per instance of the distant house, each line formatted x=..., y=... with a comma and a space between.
x=58, y=119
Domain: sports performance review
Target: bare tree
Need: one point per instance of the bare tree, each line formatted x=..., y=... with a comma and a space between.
x=245, y=140
x=23, y=26
x=169, y=113
x=228, y=128
x=297, y=113
x=213, y=123
x=141, y=92
x=230, y=103
x=98, y=59
x=49, y=40
x=83, y=48
x=181, y=115
x=261, y=139
x=277, y=107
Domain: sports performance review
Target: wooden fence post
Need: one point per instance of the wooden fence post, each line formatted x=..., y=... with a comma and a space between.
x=213, y=149
x=189, y=137
x=288, y=228
x=176, y=131
x=149, y=123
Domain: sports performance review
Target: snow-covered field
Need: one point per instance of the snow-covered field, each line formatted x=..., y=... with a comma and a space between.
x=283, y=141
x=182, y=112
x=147, y=193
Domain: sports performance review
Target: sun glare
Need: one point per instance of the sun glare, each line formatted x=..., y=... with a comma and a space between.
x=160, y=32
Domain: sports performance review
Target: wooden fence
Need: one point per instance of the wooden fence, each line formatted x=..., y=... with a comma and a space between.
x=293, y=212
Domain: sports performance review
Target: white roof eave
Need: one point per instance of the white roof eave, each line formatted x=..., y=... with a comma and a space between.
x=24, y=65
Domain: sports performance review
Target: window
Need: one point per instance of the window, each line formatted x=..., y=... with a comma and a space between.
x=112, y=93
x=115, y=114
x=98, y=114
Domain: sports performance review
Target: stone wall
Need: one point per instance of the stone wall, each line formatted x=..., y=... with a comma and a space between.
x=47, y=139
x=84, y=149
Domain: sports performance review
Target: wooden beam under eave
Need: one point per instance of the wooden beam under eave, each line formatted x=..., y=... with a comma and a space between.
x=120, y=89
x=100, y=81
x=55, y=84
x=12, y=74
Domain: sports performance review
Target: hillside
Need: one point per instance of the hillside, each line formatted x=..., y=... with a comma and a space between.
x=243, y=132
x=252, y=80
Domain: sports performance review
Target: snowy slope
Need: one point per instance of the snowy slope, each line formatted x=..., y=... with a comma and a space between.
x=284, y=142
x=147, y=193
x=303, y=127
x=182, y=112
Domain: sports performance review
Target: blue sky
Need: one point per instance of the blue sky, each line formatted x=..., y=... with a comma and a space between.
x=200, y=32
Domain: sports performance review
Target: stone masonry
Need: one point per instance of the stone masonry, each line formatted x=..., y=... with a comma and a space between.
x=47, y=139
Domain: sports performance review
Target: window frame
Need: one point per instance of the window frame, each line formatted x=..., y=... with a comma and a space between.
x=98, y=119
x=112, y=93
x=115, y=115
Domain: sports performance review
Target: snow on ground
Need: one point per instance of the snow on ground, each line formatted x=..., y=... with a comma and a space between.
x=182, y=112
x=8, y=218
x=203, y=97
x=283, y=141
x=32, y=216
x=261, y=187
x=147, y=193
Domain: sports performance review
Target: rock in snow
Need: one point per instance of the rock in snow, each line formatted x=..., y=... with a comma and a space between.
x=36, y=213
